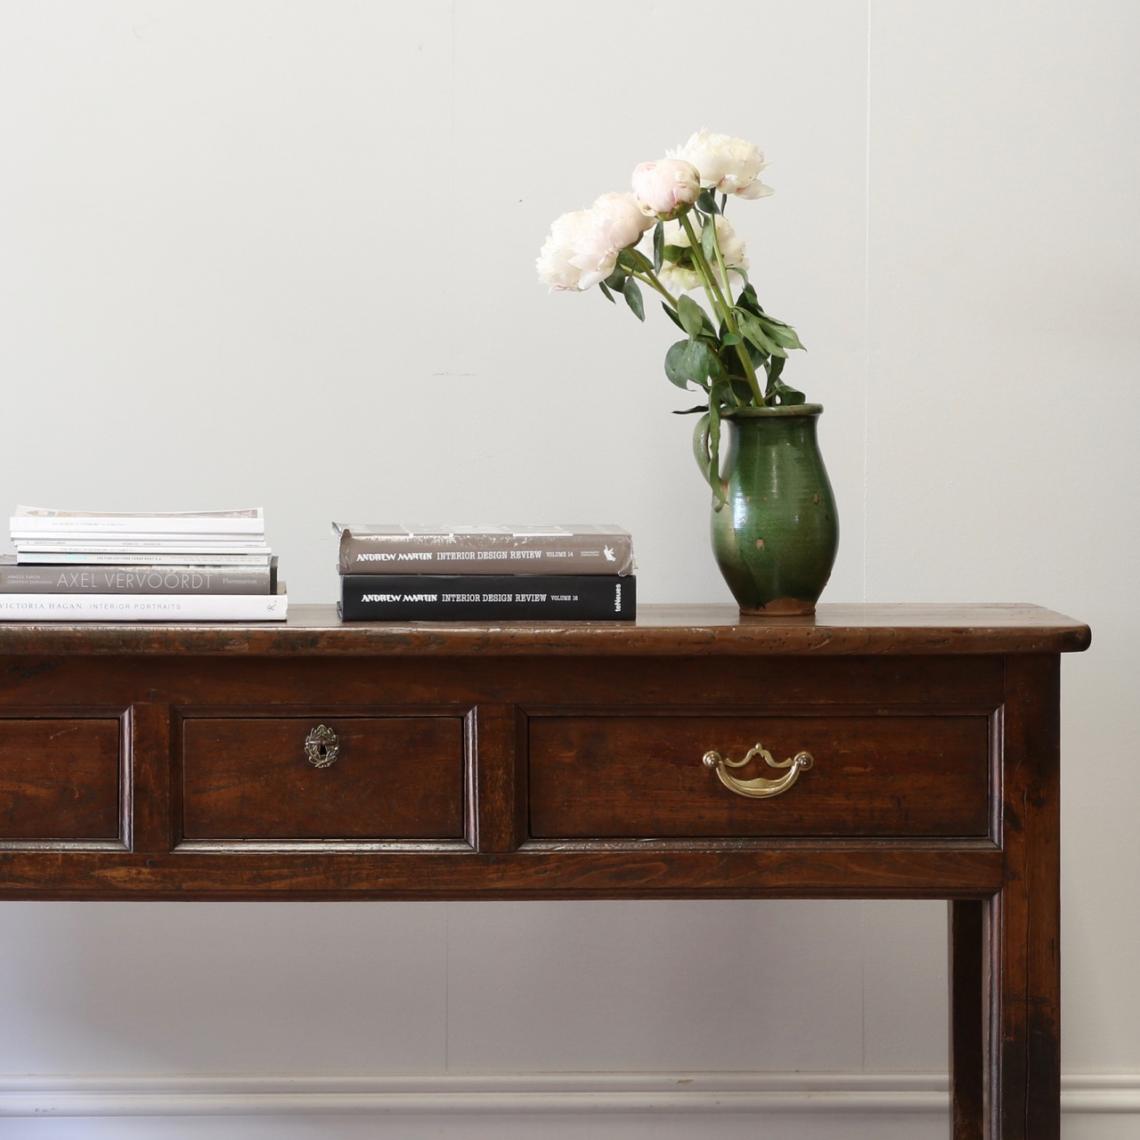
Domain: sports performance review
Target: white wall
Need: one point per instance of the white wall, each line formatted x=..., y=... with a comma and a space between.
x=281, y=253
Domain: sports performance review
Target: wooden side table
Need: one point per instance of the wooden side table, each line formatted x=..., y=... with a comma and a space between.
x=869, y=752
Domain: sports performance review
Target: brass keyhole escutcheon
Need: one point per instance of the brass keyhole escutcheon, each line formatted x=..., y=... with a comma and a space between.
x=322, y=746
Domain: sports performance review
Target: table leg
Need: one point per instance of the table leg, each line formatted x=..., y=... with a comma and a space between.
x=966, y=1069
x=1022, y=1042
x=1021, y=924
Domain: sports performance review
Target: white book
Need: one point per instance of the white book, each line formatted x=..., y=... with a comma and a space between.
x=111, y=545
x=94, y=536
x=139, y=558
x=48, y=520
x=143, y=607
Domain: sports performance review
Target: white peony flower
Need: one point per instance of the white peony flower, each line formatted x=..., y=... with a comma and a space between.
x=666, y=187
x=578, y=252
x=680, y=278
x=623, y=218
x=726, y=164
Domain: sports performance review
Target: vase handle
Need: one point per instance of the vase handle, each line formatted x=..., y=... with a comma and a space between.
x=708, y=458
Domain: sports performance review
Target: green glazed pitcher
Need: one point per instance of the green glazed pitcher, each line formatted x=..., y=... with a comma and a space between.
x=776, y=535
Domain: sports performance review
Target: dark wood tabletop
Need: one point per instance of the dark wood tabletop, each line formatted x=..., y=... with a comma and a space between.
x=660, y=630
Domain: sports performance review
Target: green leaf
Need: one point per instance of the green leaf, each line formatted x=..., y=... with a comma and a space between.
x=723, y=393
x=778, y=393
x=632, y=294
x=730, y=359
x=784, y=336
x=755, y=333
x=730, y=339
x=759, y=357
x=742, y=389
x=714, y=458
x=633, y=259
x=690, y=411
x=672, y=315
x=706, y=202
x=706, y=451
x=783, y=396
x=716, y=369
x=708, y=241
x=606, y=292
x=675, y=364
x=677, y=253
x=736, y=367
x=701, y=442
x=691, y=361
x=781, y=333
x=692, y=316
x=748, y=302
x=714, y=439
x=658, y=246
x=730, y=362
x=696, y=360
x=616, y=281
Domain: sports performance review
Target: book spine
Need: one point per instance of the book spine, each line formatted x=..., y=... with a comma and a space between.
x=143, y=607
x=81, y=579
x=488, y=597
x=94, y=537
x=572, y=554
x=140, y=546
x=156, y=524
x=137, y=558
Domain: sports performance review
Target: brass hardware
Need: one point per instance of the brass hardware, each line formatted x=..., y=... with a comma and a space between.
x=758, y=789
x=321, y=746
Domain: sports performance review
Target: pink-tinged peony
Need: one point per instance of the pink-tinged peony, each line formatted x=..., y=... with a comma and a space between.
x=623, y=218
x=578, y=252
x=727, y=165
x=666, y=187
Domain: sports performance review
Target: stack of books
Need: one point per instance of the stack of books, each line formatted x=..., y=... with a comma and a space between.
x=87, y=566
x=395, y=572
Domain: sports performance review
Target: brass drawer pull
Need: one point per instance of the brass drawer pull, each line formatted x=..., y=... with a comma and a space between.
x=758, y=789
x=321, y=746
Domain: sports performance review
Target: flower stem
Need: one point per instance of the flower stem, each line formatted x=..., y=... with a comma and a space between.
x=653, y=281
x=719, y=303
x=724, y=309
x=720, y=262
x=715, y=298
x=750, y=374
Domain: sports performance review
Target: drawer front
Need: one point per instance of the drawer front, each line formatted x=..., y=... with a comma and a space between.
x=643, y=777
x=59, y=779
x=254, y=778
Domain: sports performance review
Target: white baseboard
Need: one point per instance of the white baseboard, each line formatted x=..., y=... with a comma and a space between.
x=587, y=1094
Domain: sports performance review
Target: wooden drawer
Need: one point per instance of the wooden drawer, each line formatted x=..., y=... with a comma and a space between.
x=397, y=777
x=873, y=775
x=59, y=779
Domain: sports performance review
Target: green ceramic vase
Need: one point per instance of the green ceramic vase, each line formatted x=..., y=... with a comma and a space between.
x=776, y=536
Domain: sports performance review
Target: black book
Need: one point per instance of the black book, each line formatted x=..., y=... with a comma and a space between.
x=487, y=597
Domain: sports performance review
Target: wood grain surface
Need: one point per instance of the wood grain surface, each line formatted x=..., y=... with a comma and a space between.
x=394, y=778
x=873, y=775
x=59, y=778
x=659, y=630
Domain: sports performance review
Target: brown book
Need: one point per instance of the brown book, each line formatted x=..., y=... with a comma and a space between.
x=567, y=548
